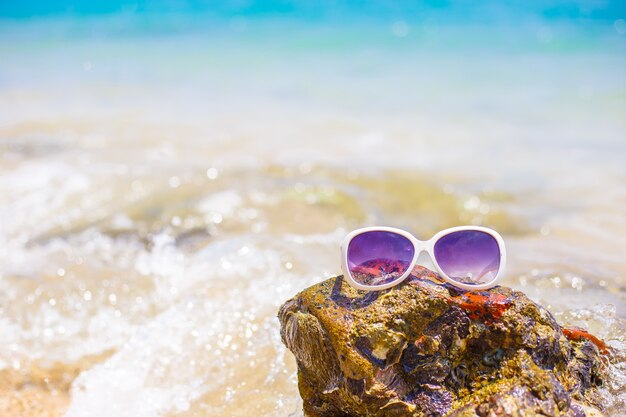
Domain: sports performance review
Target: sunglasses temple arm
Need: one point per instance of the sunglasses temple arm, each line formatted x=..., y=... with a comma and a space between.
x=486, y=270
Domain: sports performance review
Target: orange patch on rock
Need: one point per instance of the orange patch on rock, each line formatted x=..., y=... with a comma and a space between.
x=576, y=334
x=485, y=306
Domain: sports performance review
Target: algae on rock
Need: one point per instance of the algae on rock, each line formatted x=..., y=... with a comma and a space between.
x=426, y=348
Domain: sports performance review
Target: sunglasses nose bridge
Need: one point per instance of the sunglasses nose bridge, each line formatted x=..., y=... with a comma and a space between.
x=422, y=254
x=420, y=247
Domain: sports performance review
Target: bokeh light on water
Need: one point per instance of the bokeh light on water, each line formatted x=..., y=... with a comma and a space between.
x=170, y=174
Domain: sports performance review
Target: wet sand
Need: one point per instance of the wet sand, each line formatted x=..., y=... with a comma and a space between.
x=37, y=390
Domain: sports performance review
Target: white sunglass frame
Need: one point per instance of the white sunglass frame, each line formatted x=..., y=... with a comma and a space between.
x=421, y=246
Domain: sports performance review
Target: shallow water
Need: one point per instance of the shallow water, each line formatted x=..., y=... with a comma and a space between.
x=164, y=191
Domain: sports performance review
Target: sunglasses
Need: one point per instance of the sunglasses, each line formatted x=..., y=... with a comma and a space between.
x=469, y=257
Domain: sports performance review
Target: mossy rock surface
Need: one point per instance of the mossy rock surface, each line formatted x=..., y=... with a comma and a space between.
x=425, y=348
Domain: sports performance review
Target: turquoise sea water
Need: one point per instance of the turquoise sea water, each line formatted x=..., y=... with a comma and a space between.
x=460, y=10
x=171, y=172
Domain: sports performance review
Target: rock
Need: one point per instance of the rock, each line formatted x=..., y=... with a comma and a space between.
x=426, y=348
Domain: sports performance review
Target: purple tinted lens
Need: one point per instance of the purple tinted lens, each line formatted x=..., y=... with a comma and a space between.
x=468, y=256
x=376, y=258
